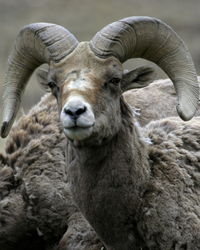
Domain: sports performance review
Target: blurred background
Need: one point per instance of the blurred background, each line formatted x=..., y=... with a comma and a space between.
x=84, y=18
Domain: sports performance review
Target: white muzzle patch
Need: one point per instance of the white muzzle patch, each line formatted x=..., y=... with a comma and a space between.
x=77, y=118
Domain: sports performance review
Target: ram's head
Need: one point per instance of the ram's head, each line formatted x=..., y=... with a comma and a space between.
x=87, y=78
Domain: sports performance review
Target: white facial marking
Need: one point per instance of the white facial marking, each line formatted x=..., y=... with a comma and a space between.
x=79, y=84
x=77, y=80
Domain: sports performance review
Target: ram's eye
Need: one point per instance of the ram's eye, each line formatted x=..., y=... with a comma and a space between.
x=55, y=90
x=115, y=80
x=51, y=85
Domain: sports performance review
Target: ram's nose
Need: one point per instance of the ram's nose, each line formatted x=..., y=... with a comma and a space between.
x=77, y=113
x=74, y=112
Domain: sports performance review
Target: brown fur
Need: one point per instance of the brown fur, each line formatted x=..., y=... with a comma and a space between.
x=15, y=232
x=37, y=201
x=170, y=212
x=101, y=176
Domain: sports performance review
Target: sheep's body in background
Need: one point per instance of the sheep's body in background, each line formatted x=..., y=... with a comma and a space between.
x=154, y=102
x=174, y=160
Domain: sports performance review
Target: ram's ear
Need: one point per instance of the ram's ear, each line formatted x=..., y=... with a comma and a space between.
x=42, y=78
x=137, y=78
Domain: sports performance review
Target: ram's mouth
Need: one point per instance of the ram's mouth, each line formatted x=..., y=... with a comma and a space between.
x=78, y=133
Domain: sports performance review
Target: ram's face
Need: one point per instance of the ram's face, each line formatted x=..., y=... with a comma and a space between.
x=88, y=87
x=88, y=91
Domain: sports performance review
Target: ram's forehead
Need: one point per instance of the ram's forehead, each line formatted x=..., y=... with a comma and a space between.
x=77, y=81
x=83, y=60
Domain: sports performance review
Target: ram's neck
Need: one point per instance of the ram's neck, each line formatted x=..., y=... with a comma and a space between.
x=110, y=179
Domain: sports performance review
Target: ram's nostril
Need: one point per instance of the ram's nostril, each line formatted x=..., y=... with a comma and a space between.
x=68, y=112
x=80, y=111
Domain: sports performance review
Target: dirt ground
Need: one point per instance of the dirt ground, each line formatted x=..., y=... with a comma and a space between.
x=85, y=17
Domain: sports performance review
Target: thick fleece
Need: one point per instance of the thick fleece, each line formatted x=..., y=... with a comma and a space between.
x=36, y=208
x=170, y=212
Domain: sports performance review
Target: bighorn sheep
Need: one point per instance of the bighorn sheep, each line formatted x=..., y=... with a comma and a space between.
x=15, y=208
x=134, y=194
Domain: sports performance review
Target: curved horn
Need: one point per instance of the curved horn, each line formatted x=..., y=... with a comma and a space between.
x=151, y=39
x=35, y=44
